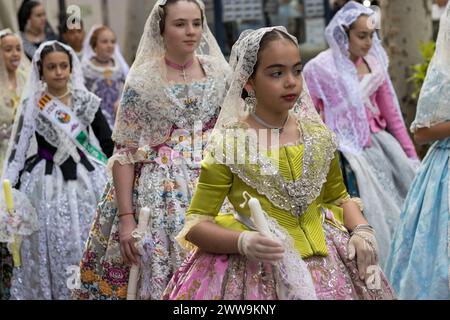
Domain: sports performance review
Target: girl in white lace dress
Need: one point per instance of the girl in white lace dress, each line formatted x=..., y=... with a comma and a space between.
x=62, y=174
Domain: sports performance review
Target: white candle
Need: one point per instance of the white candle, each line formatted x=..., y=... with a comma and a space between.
x=144, y=217
x=258, y=217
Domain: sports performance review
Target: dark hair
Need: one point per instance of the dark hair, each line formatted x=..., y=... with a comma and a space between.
x=96, y=34
x=56, y=47
x=163, y=13
x=347, y=29
x=25, y=11
x=64, y=28
x=265, y=40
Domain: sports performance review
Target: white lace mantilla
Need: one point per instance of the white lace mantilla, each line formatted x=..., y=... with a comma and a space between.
x=146, y=118
x=260, y=173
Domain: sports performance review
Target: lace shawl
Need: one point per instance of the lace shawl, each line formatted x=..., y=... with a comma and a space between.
x=434, y=100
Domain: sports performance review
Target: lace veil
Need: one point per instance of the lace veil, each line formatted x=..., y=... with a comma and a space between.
x=143, y=118
x=333, y=78
x=21, y=71
x=88, y=52
x=28, y=120
x=434, y=100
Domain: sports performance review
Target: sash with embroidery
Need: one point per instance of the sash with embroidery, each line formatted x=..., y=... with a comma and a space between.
x=63, y=118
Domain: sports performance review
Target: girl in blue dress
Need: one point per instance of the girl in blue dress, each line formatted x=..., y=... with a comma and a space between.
x=418, y=265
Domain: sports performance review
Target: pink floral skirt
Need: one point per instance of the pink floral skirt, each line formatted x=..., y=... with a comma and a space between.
x=205, y=276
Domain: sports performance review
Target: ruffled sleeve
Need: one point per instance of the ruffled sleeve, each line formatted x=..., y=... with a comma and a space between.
x=128, y=125
x=129, y=147
x=125, y=156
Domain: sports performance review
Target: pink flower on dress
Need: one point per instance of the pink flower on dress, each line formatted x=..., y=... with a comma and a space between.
x=166, y=156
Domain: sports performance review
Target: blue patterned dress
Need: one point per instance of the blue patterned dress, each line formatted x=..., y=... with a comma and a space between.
x=418, y=266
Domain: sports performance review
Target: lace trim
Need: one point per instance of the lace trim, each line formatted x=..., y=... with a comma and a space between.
x=85, y=105
x=92, y=71
x=128, y=156
x=375, y=79
x=293, y=196
x=21, y=137
x=355, y=200
x=432, y=107
x=191, y=221
x=370, y=83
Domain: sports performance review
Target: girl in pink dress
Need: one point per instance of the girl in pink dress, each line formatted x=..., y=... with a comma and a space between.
x=351, y=87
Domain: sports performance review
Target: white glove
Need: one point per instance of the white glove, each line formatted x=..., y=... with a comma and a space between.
x=364, y=246
x=257, y=247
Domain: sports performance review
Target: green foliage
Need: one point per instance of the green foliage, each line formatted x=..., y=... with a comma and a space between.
x=420, y=70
